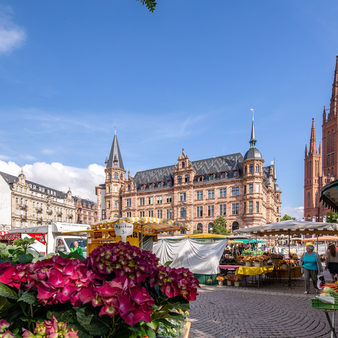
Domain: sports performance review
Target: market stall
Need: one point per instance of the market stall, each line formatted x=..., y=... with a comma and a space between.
x=291, y=228
x=142, y=232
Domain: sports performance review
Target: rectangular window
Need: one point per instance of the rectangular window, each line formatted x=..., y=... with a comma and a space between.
x=250, y=207
x=199, y=195
x=150, y=200
x=250, y=188
x=244, y=208
x=251, y=168
x=150, y=213
x=223, y=192
x=222, y=210
x=235, y=191
x=128, y=213
x=183, y=213
x=211, y=193
x=159, y=199
x=142, y=201
x=235, y=208
x=159, y=213
x=182, y=196
x=128, y=202
x=257, y=207
x=169, y=214
x=199, y=212
x=257, y=187
x=187, y=179
x=210, y=210
x=179, y=179
x=141, y=213
x=116, y=204
x=169, y=199
x=108, y=204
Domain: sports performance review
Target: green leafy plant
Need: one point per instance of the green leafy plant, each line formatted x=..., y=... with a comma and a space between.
x=220, y=226
x=151, y=4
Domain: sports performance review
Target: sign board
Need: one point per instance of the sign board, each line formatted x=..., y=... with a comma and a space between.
x=123, y=230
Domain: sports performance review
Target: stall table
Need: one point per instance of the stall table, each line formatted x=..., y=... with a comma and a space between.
x=254, y=271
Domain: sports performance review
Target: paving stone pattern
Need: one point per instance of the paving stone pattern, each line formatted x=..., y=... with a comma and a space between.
x=251, y=312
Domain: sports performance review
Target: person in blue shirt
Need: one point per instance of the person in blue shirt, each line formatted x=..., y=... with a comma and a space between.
x=311, y=265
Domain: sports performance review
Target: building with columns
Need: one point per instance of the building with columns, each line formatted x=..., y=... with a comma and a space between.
x=241, y=189
x=321, y=164
x=24, y=203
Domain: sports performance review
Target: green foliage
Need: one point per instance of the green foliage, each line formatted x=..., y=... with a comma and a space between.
x=151, y=4
x=286, y=218
x=72, y=255
x=19, y=252
x=196, y=232
x=220, y=226
x=332, y=217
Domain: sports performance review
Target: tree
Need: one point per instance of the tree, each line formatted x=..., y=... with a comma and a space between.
x=151, y=4
x=286, y=218
x=332, y=217
x=220, y=226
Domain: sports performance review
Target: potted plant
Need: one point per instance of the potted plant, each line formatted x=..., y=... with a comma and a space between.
x=236, y=280
x=220, y=280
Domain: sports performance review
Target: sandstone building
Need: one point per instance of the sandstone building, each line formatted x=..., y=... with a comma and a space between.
x=239, y=188
x=321, y=165
x=26, y=204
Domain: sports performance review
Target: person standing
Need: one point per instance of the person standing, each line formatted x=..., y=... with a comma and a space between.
x=77, y=248
x=311, y=265
x=331, y=261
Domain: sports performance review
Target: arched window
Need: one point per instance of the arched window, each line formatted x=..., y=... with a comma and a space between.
x=308, y=200
x=257, y=168
x=199, y=228
x=109, y=176
x=121, y=176
x=210, y=227
x=251, y=168
x=116, y=176
x=129, y=187
x=235, y=226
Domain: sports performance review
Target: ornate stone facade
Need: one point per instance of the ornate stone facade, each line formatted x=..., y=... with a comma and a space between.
x=194, y=192
x=28, y=204
x=86, y=211
x=321, y=165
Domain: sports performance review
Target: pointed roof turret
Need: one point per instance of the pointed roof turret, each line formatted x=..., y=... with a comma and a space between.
x=253, y=152
x=334, y=97
x=324, y=115
x=313, y=146
x=115, y=158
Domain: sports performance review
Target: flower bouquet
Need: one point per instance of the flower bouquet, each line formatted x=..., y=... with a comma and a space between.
x=119, y=290
x=220, y=279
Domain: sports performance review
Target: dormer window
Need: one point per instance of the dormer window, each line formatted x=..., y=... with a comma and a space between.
x=235, y=173
x=183, y=165
x=211, y=177
x=200, y=179
x=223, y=175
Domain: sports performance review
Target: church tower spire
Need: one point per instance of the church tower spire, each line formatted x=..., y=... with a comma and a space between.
x=253, y=134
x=313, y=145
x=115, y=158
x=334, y=97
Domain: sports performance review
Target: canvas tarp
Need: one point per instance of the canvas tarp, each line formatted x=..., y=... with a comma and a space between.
x=198, y=257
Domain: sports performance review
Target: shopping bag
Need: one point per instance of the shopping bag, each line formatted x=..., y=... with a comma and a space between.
x=320, y=281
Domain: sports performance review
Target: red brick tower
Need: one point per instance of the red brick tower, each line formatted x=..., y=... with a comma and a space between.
x=320, y=169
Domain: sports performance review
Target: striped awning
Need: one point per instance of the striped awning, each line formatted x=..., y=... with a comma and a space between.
x=145, y=224
x=2, y=233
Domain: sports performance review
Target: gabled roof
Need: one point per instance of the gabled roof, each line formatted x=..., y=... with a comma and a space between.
x=115, y=158
x=212, y=165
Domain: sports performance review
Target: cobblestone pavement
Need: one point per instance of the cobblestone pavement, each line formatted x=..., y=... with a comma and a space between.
x=251, y=312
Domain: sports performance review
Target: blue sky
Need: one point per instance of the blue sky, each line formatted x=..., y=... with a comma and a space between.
x=184, y=76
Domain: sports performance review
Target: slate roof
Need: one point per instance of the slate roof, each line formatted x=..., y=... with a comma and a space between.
x=213, y=165
x=42, y=189
x=85, y=202
x=115, y=158
x=252, y=153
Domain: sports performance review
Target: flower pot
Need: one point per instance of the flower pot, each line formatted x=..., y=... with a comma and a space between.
x=220, y=283
x=248, y=263
x=258, y=264
x=229, y=283
x=236, y=283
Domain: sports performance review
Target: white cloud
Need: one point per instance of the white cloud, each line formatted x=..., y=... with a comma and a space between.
x=296, y=212
x=81, y=181
x=11, y=35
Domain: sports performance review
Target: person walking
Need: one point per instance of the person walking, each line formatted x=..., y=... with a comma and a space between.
x=311, y=265
x=331, y=261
